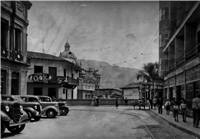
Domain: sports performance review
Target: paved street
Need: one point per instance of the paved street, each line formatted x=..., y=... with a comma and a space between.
x=101, y=122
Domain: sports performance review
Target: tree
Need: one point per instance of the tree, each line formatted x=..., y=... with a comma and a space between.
x=149, y=73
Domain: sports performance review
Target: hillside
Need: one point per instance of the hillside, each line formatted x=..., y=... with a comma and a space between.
x=111, y=76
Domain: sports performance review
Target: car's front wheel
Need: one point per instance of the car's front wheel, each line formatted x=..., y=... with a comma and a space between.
x=51, y=113
x=3, y=127
x=64, y=111
x=16, y=129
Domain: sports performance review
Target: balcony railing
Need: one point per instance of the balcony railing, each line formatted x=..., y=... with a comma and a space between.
x=66, y=79
x=180, y=61
x=171, y=67
x=191, y=53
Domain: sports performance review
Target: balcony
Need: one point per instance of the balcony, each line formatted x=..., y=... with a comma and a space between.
x=171, y=67
x=67, y=81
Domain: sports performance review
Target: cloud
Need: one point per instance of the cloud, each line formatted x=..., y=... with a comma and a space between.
x=130, y=36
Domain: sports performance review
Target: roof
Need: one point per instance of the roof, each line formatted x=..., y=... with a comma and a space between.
x=109, y=89
x=43, y=56
x=132, y=85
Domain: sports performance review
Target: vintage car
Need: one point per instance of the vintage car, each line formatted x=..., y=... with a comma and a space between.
x=64, y=110
x=49, y=109
x=13, y=117
x=33, y=109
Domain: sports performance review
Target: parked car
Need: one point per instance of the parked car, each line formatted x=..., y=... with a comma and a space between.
x=33, y=109
x=49, y=109
x=64, y=110
x=13, y=117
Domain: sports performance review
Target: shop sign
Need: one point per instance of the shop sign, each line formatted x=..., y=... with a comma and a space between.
x=172, y=81
x=193, y=74
x=180, y=79
x=40, y=77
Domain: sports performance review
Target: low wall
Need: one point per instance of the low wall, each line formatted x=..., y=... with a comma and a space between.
x=87, y=102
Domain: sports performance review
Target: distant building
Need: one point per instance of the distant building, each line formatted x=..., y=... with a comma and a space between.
x=14, y=23
x=89, y=81
x=108, y=93
x=136, y=90
x=53, y=76
x=179, y=49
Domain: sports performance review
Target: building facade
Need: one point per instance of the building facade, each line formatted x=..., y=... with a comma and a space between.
x=179, y=51
x=14, y=23
x=108, y=93
x=89, y=81
x=53, y=76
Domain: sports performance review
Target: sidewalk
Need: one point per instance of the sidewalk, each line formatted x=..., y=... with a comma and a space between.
x=186, y=127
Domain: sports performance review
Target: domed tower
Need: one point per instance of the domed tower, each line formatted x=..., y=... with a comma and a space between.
x=98, y=78
x=67, y=53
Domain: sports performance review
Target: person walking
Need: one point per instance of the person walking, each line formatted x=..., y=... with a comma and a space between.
x=160, y=104
x=154, y=102
x=183, y=108
x=172, y=106
x=126, y=101
x=116, y=102
x=196, y=110
x=167, y=106
x=176, y=109
x=151, y=102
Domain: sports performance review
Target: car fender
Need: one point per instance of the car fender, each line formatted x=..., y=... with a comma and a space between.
x=31, y=110
x=64, y=106
x=24, y=117
x=49, y=107
x=5, y=117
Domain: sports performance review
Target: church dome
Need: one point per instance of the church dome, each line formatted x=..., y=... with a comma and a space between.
x=67, y=53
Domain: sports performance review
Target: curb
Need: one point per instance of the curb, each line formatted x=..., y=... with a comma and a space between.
x=179, y=127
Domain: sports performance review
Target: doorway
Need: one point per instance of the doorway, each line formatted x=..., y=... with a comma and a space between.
x=52, y=92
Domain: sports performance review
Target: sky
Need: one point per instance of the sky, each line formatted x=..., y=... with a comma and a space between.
x=123, y=33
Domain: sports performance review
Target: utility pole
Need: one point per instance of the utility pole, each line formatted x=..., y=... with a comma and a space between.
x=43, y=45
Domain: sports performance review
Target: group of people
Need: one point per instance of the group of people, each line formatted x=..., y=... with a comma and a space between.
x=95, y=101
x=177, y=107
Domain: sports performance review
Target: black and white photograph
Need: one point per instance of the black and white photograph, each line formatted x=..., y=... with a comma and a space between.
x=100, y=69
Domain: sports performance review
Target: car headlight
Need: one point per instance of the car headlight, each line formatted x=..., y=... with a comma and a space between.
x=21, y=107
x=35, y=107
x=7, y=108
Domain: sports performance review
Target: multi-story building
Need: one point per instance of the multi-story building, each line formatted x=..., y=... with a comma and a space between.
x=109, y=93
x=14, y=23
x=179, y=51
x=53, y=76
x=89, y=81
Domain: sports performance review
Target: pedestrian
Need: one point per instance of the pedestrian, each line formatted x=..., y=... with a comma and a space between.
x=167, y=106
x=116, y=102
x=183, y=108
x=160, y=104
x=97, y=100
x=92, y=103
x=126, y=101
x=151, y=102
x=196, y=110
x=176, y=109
x=172, y=106
x=154, y=102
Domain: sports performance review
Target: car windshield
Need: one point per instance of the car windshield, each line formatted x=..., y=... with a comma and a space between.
x=7, y=98
x=45, y=99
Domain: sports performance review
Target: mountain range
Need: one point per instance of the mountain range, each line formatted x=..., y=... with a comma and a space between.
x=111, y=76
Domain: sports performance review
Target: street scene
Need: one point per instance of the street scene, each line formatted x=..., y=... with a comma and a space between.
x=100, y=69
x=102, y=122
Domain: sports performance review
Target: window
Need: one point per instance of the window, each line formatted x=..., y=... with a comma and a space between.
x=64, y=72
x=164, y=13
x=38, y=69
x=53, y=72
x=15, y=84
x=4, y=34
x=18, y=40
